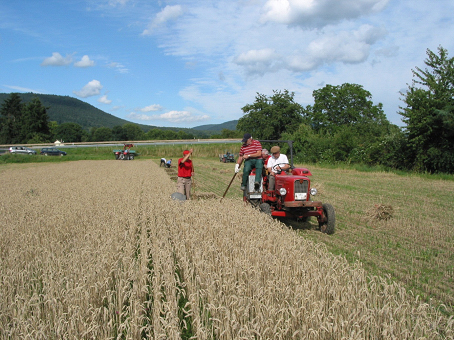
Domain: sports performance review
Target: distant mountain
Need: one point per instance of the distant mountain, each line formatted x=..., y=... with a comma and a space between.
x=230, y=125
x=65, y=109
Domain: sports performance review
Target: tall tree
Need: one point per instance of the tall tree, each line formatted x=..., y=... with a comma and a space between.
x=429, y=113
x=133, y=131
x=119, y=133
x=69, y=132
x=35, y=122
x=341, y=126
x=102, y=134
x=347, y=104
x=270, y=117
x=11, y=120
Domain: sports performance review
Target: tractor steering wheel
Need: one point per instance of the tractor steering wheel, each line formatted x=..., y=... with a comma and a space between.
x=277, y=167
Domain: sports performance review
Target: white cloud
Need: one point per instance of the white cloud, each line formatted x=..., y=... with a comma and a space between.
x=259, y=61
x=174, y=117
x=93, y=88
x=104, y=100
x=334, y=46
x=114, y=3
x=154, y=107
x=253, y=56
x=312, y=13
x=340, y=46
x=119, y=67
x=22, y=89
x=85, y=62
x=167, y=14
x=57, y=60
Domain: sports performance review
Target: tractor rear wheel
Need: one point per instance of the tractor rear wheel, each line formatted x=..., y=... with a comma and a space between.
x=328, y=226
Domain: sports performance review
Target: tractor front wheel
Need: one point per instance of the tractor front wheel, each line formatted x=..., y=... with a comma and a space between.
x=328, y=226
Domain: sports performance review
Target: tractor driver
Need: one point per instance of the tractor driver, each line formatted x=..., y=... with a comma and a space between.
x=277, y=161
x=251, y=152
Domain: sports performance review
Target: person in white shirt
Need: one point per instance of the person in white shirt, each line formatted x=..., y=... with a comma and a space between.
x=276, y=163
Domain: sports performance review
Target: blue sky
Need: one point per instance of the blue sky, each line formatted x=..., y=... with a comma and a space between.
x=195, y=62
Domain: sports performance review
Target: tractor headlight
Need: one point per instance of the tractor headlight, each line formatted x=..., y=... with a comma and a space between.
x=313, y=191
x=282, y=191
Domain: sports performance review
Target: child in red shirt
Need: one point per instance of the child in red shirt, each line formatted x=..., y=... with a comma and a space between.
x=185, y=172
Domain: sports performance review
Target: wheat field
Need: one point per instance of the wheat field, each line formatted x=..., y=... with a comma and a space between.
x=98, y=250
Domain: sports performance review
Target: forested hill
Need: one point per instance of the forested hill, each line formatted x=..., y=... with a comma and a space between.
x=65, y=109
x=230, y=125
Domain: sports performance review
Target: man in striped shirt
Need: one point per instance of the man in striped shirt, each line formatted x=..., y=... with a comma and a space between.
x=251, y=153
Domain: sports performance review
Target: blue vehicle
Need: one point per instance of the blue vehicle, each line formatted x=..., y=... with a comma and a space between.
x=52, y=152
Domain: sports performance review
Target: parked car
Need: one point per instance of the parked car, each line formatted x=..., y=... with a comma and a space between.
x=52, y=152
x=22, y=150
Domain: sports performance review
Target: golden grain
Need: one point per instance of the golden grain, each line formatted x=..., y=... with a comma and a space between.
x=98, y=250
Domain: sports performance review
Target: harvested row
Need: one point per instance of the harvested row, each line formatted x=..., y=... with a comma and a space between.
x=98, y=250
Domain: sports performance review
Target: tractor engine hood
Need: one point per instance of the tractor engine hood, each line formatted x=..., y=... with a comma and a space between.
x=301, y=172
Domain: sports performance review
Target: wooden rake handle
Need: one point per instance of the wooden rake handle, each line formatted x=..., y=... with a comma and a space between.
x=229, y=185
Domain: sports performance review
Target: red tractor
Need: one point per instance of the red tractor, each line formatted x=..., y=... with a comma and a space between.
x=126, y=153
x=292, y=196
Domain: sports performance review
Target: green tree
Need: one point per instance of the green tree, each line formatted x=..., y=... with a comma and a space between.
x=429, y=113
x=270, y=117
x=154, y=134
x=391, y=150
x=226, y=133
x=184, y=135
x=35, y=127
x=53, y=125
x=69, y=132
x=169, y=135
x=346, y=104
x=11, y=120
x=133, y=132
x=102, y=134
x=341, y=126
x=119, y=133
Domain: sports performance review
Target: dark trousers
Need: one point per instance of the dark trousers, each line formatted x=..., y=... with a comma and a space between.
x=250, y=164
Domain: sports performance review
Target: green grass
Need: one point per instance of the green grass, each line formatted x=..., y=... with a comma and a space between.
x=169, y=150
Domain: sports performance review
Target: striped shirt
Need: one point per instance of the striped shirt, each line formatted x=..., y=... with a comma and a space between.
x=251, y=148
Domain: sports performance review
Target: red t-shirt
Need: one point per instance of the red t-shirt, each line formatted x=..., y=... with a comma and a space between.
x=251, y=148
x=185, y=169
